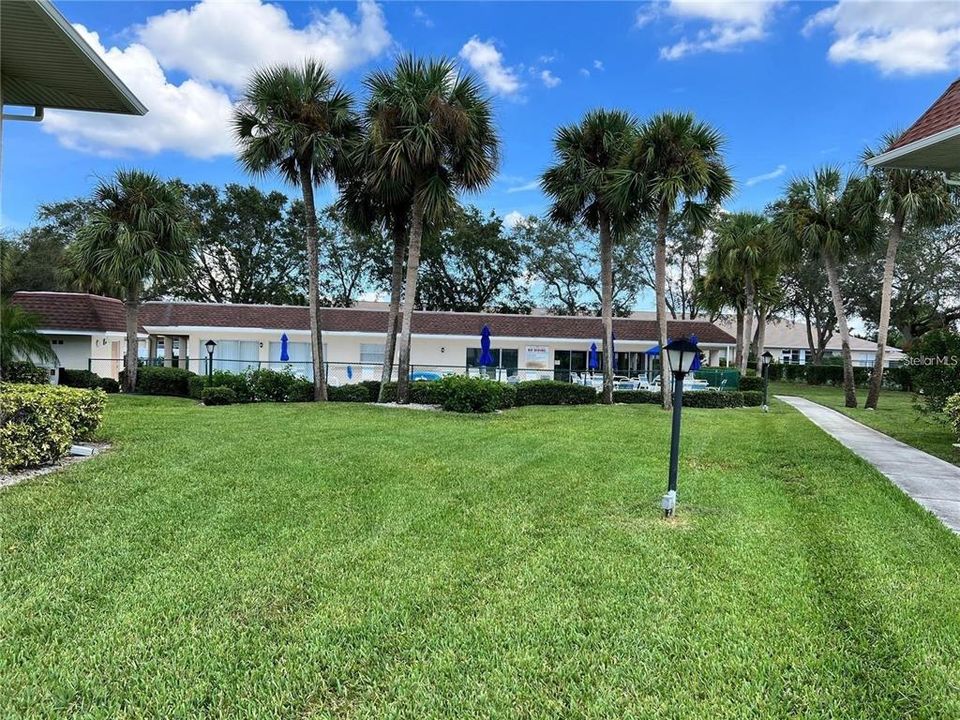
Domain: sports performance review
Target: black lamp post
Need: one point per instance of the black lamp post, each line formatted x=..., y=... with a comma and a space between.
x=766, y=359
x=680, y=355
x=210, y=345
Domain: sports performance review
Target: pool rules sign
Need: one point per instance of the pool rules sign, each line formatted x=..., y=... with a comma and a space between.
x=536, y=356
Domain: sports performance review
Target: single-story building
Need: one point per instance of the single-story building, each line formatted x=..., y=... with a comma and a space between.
x=787, y=341
x=88, y=334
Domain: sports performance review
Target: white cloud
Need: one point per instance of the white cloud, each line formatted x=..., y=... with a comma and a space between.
x=584, y=72
x=221, y=41
x=772, y=175
x=192, y=117
x=525, y=187
x=513, y=218
x=730, y=24
x=420, y=16
x=549, y=79
x=488, y=62
x=896, y=37
x=216, y=45
x=598, y=65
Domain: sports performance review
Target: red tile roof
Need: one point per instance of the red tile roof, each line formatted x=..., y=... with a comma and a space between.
x=73, y=311
x=288, y=317
x=942, y=115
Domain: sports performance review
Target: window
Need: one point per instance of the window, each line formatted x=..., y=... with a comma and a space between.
x=506, y=358
x=371, y=354
x=236, y=355
x=301, y=359
x=790, y=356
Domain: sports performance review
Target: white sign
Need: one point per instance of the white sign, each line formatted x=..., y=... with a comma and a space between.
x=537, y=356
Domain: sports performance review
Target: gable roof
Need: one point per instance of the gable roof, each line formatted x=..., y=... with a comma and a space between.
x=293, y=317
x=933, y=141
x=73, y=311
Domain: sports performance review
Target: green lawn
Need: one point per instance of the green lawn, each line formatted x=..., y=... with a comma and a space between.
x=896, y=416
x=358, y=562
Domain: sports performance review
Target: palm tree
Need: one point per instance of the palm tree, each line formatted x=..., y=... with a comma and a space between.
x=365, y=210
x=587, y=155
x=676, y=160
x=432, y=136
x=136, y=234
x=19, y=338
x=906, y=198
x=832, y=219
x=745, y=249
x=297, y=122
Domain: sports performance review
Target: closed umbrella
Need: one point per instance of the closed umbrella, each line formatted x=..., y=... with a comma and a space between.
x=696, y=358
x=486, y=357
x=593, y=362
x=284, y=350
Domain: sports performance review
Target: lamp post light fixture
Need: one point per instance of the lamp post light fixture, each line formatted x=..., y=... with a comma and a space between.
x=765, y=361
x=210, y=345
x=680, y=355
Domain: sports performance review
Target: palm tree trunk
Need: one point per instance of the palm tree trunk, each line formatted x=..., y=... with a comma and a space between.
x=409, y=298
x=849, y=389
x=738, y=355
x=396, y=289
x=761, y=337
x=606, y=282
x=889, y=265
x=747, y=323
x=132, y=306
x=660, y=281
x=313, y=261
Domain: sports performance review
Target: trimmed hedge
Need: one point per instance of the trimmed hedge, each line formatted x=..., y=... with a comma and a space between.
x=553, y=392
x=21, y=371
x=39, y=423
x=218, y=395
x=697, y=399
x=79, y=378
x=750, y=383
x=162, y=381
x=475, y=395
x=347, y=393
x=833, y=375
x=109, y=385
x=195, y=386
x=422, y=392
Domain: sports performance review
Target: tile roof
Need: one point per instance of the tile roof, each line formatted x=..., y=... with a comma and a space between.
x=73, y=311
x=290, y=317
x=942, y=115
x=76, y=311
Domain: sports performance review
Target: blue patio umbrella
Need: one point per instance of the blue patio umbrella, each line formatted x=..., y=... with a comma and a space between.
x=696, y=358
x=349, y=372
x=284, y=350
x=486, y=357
x=593, y=362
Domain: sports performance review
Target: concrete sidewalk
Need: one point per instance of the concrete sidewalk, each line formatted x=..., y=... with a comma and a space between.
x=931, y=482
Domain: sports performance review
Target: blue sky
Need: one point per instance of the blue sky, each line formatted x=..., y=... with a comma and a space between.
x=791, y=85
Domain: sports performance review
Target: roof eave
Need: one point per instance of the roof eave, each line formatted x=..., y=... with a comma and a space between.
x=134, y=106
x=900, y=157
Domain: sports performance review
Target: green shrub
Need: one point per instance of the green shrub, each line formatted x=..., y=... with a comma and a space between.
x=238, y=382
x=752, y=398
x=162, y=380
x=898, y=378
x=271, y=385
x=301, y=390
x=373, y=388
x=951, y=409
x=552, y=392
x=109, y=385
x=471, y=395
x=934, y=363
x=833, y=375
x=218, y=395
x=21, y=371
x=38, y=423
x=195, y=386
x=348, y=393
x=751, y=383
x=793, y=373
x=508, y=396
x=79, y=378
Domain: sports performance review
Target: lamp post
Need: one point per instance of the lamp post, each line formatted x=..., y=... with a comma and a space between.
x=765, y=360
x=680, y=355
x=210, y=345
